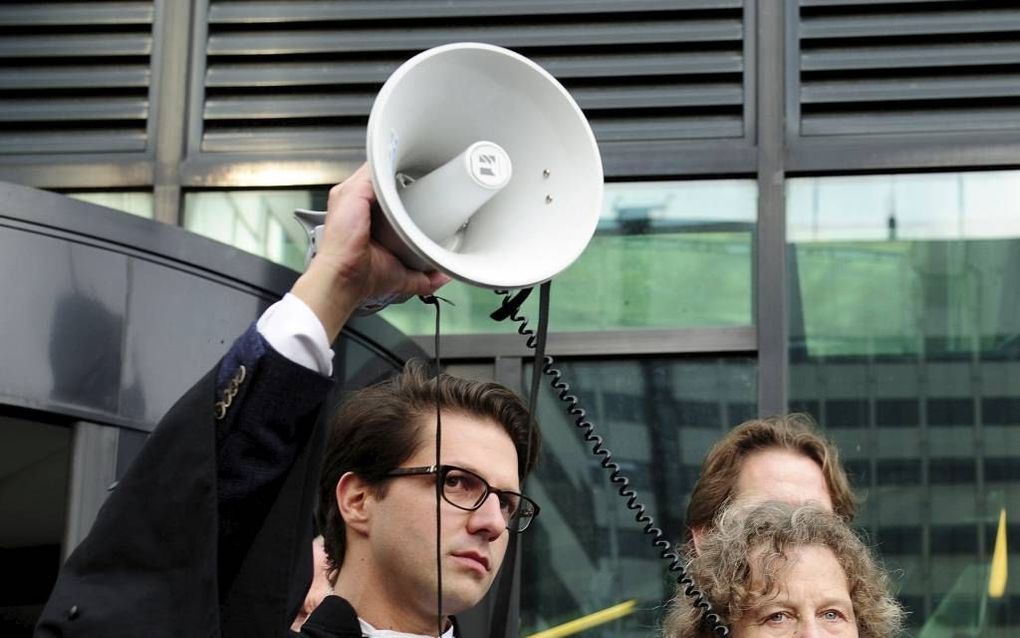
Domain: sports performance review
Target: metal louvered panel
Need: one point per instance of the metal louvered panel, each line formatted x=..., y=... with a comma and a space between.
x=316, y=10
x=902, y=66
x=74, y=77
x=302, y=75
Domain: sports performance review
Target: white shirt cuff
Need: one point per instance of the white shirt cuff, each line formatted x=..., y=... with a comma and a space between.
x=293, y=330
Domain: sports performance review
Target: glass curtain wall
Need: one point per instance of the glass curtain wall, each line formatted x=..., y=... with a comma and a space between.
x=664, y=255
x=586, y=553
x=258, y=221
x=136, y=203
x=905, y=343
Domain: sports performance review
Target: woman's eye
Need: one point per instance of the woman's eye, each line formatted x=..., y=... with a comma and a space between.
x=832, y=615
x=777, y=617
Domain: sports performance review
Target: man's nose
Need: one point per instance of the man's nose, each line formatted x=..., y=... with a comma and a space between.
x=488, y=518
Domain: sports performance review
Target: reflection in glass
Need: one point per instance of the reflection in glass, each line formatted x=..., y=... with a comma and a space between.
x=905, y=342
x=659, y=417
x=257, y=221
x=135, y=203
x=665, y=255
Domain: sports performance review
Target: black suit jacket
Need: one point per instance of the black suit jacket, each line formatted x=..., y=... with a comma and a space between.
x=207, y=533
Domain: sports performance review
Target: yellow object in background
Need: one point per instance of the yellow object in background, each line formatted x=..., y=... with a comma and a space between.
x=1000, y=569
x=587, y=622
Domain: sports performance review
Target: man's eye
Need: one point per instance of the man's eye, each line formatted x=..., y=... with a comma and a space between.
x=454, y=481
x=832, y=615
x=508, y=504
x=463, y=483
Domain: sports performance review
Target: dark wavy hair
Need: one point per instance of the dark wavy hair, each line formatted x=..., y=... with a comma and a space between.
x=378, y=428
x=751, y=541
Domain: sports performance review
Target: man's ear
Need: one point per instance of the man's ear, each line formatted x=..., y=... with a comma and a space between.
x=353, y=499
x=697, y=533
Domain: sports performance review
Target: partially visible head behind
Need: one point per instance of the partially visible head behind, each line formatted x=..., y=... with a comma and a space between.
x=378, y=428
x=773, y=445
x=773, y=568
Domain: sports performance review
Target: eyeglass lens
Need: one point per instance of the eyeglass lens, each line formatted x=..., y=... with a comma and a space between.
x=467, y=490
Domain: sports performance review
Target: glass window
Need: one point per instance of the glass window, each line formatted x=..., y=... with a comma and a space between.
x=659, y=417
x=905, y=344
x=34, y=469
x=257, y=221
x=135, y=203
x=665, y=255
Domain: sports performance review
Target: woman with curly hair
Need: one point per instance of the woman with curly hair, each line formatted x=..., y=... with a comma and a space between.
x=775, y=570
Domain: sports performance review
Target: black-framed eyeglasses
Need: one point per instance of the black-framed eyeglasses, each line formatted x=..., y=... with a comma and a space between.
x=466, y=490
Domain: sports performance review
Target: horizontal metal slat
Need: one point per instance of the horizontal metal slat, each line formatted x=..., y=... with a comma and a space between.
x=265, y=74
x=917, y=88
x=639, y=97
x=297, y=42
x=869, y=3
x=883, y=122
x=75, y=77
x=75, y=13
x=898, y=24
x=631, y=65
x=898, y=57
x=106, y=141
x=701, y=127
x=95, y=45
x=276, y=107
x=276, y=11
x=261, y=140
x=65, y=110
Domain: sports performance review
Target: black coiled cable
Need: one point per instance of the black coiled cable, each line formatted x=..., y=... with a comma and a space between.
x=509, y=309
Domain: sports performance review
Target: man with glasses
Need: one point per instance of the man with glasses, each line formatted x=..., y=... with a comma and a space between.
x=378, y=499
x=208, y=532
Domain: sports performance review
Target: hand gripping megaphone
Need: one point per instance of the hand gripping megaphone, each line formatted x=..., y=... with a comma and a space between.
x=483, y=167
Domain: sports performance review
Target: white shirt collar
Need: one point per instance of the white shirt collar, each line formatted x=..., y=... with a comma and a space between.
x=372, y=632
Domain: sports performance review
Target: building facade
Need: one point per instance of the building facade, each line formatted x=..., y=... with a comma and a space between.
x=810, y=205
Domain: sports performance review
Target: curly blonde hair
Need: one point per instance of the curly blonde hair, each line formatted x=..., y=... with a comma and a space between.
x=763, y=536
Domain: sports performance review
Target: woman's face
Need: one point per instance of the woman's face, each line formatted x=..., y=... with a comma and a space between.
x=813, y=601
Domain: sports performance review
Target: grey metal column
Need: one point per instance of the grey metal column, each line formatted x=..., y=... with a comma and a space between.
x=770, y=288
x=93, y=470
x=171, y=31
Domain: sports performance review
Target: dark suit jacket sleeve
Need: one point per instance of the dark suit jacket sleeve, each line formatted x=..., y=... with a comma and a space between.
x=180, y=536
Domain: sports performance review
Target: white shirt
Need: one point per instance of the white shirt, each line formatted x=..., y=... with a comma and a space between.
x=293, y=330
x=372, y=632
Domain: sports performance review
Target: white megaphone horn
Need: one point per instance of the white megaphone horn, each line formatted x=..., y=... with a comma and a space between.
x=483, y=167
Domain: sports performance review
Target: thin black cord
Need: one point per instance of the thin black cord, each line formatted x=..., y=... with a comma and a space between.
x=499, y=620
x=539, y=347
x=509, y=309
x=437, y=364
